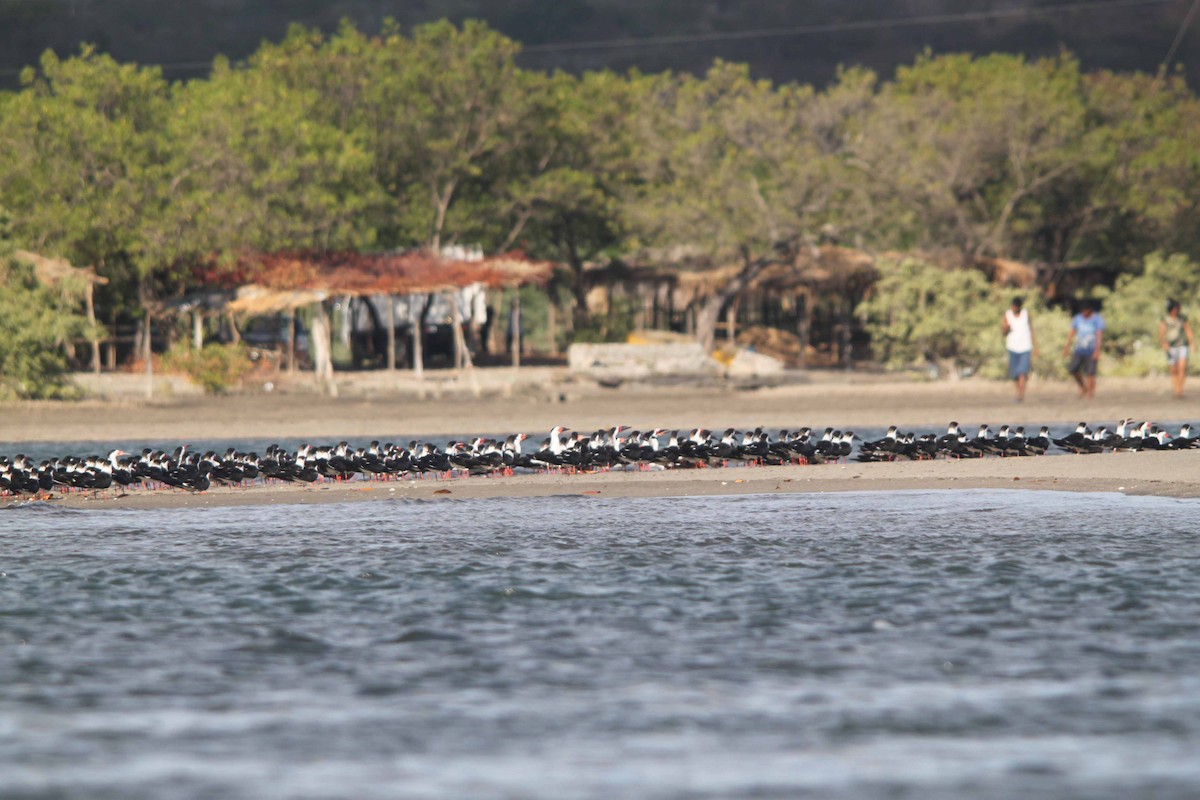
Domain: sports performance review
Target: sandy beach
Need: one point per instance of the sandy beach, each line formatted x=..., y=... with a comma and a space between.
x=539, y=400
x=1164, y=474
x=374, y=405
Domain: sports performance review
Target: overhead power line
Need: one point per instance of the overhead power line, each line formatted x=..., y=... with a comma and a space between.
x=842, y=27
x=1183, y=26
x=798, y=30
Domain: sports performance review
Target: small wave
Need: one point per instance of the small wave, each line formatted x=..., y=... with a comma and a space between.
x=41, y=507
x=422, y=635
x=287, y=642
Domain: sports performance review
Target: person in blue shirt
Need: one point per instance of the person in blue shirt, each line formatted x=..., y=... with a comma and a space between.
x=1087, y=334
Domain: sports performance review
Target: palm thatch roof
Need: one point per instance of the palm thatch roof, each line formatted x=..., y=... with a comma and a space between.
x=289, y=280
x=54, y=271
x=820, y=268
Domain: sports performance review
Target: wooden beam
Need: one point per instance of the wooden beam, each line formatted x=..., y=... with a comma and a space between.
x=391, y=332
x=90, y=301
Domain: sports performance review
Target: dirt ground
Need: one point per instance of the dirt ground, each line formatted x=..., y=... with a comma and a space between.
x=375, y=406
x=391, y=407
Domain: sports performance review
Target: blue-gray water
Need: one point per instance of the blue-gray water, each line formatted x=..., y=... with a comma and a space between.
x=52, y=449
x=923, y=645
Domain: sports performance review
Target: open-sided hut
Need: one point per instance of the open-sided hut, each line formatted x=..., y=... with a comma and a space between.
x=289, y=281
x=807, y=300
x=810, y=295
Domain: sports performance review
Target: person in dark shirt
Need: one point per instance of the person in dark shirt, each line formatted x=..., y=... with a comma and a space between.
x=1175, y=334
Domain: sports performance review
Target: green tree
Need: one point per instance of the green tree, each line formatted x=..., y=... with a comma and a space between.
x=969, y=151
x=257, y=167
x=82, y=165
x=1134, y=307
x=1147, y=195
x=560, y=196
x=731, y=169
x=33, y=328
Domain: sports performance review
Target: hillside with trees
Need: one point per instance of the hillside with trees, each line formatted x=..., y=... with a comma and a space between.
x=436, y=136
x=803, y=42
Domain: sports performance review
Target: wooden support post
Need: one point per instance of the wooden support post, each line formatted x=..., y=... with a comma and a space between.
x=291, y=340
x=391, y=333
x=197, y=329
x=148, y=355
x=514, y=322
x=418, y=322
x=90, y=301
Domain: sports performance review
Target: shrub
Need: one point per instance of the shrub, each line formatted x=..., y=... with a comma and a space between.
x=1133, y=309
x=615, y=326
x=215, y=367
x=921, y=314
x=32, y=332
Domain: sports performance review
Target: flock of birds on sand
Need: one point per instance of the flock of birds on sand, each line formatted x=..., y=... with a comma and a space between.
x=561, y=451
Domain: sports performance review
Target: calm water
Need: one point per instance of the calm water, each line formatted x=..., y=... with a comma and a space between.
x=923, y=645
x=45, y=450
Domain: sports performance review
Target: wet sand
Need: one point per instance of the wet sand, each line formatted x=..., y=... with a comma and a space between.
x=391, y=411
x=1166, y=474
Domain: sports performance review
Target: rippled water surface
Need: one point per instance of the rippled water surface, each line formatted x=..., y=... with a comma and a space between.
x=925, y=645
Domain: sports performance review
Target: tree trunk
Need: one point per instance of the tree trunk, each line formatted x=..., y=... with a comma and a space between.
x=322, y=340
x=706, y=320
x=148, y=355
x=234, y=333
x=143, y=290
x=578, y=286
x=462, y=354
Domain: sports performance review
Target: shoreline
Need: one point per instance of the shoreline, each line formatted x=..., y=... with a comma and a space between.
x=378, y=407
x=1162, y=474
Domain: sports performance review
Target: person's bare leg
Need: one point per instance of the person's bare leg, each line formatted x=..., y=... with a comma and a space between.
x=1090, y=391
x=1178, y=375
x=1021, y=380
x=1078, y=376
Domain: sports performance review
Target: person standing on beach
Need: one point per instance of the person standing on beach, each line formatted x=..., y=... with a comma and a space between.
x=1175, y=333
x=1087, y=332
x=1021, y=345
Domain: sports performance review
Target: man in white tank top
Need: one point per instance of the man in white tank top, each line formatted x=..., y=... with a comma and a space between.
x=1018, y=339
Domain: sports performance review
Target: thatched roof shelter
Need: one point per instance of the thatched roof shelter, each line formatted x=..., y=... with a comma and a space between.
x=814, y=269
x=270, y=283
x=279, y=281
x=74, y=282
x=55, y=271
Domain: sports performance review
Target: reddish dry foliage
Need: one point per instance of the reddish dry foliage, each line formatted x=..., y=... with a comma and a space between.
x=407, y=273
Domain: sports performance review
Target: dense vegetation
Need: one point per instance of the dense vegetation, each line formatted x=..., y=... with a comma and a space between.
x=35, y=322
x=435, y=137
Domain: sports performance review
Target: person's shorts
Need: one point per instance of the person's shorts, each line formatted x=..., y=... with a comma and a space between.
x=1084, y=363
x=1177, y=354
x=1018, y=364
